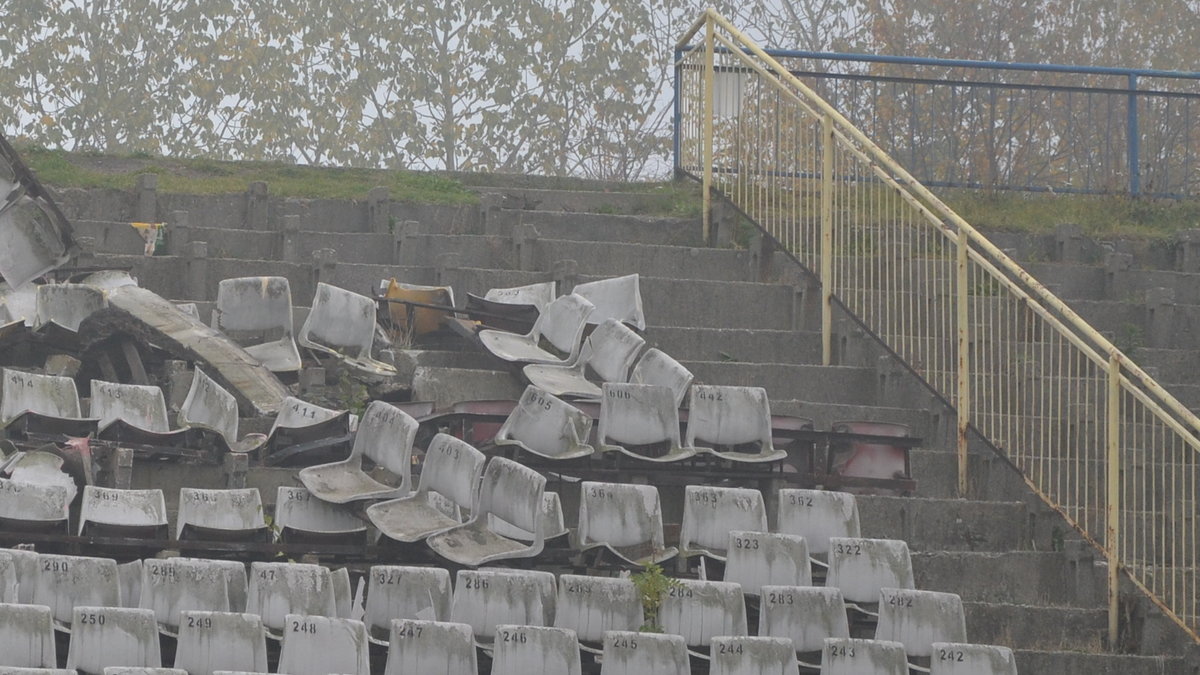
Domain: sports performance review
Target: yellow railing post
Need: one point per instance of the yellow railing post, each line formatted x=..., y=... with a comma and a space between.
x=963, y=390
x=709, y=78
x=1113, y=506
x=827, y=145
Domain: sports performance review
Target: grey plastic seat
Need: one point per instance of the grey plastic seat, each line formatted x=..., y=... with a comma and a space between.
x=625, y=520
x=451, y=469
x=342, y=324
x=484, y=599
x=67, y=305
x=138, y=514
x=617, y=298
x=917, y=619
x=385, y=436
x=592, y=606
x=25, y=564
x=711, y=513
x=257, y=313
x=863, y=567
x=757, y=559
x=36, y=234
x=744, y=655
x=805, y=615
x=41, y=403
x=102, y=637
x=633, y=415
x=41, y=468
x=399, y=592
x=554, y=528
x=173, y=586
x=133, y=412
x=535, y=650
x=35, y=507
x=702, y=610
x=608, y=353
x=9, y=579
x=657, y=367
x=14, y=670
x=722, y=419
x=19, y=304
x=27, y=640
x=818, y=515
x=129, y=579
x=416, y=646
x=957, y=658
x=235, y=580
x=544, y=425
x=634, y=653
x=109, y=279
x=209, y=407
x=539, y=295
x=299, y=516
x=66, y=581
x=853, y=656
x=300, y=422
x=514, y=494
x=221, y=515
x=561, y=324
x=320, y=645
x=343, y=595
x=279, y=589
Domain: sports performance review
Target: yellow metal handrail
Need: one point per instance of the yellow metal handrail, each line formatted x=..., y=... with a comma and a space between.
x=1095, y=436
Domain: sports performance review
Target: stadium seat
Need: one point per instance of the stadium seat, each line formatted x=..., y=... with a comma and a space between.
x=210, y=408
x=554, y=526
x=279, y=589
x=25, y=563
x=608, y=353
x=917, y=619
x=711, y=513
x=592, y=606
x=385, y=436
x=302, y=428
x=27, y=639
x=235, y=580
x=957, y=658
x=413, y=321
x=617, y=298
x=744, y=655
x=514, y=494
x=561, y=324
x=451, y=469
x=48, y=404
x=862, y=567
x=221, y=515
x=41, y=468
x=136, y=514
x=398, y=592
x=171, y=586
x=416, y=646
x=634, y=653
x=35, y=507
x=544, y=425
x=817, y=515
x=66, y=581
x=634, y=416
x=301, y=517
x=702, y=610
x=129, y=580
x=9, y=580
x=486, y=598
x=535, y=650
x=343, y=595
x=67, y=305
x=539, y=295
x=342, y=324
x=320, y=645
x=860, y=458
x=256, y=312
x=220, y=640
x=723, y=420
x=625, y=520
x=102, y=637
x=14, y=670
x=133, y=413
x=19, y=304
x=853, y=656
x=805, y=615
x=757, y=559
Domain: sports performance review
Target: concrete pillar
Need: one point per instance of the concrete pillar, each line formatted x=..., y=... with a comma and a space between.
x=146, y=204
x=289, y=239
x=256, y=206
x=1160, y=317
x=1187, y=251
x=442, y=264
x=197, y=270
x=1069, y=243
x=178, y=232
x=762, y=258
x=121, y=468
x=236, y=466
x=312, y=381
x=379, y=208
x=524, y=246
x=87, y=252
x=324, y=262
x=566, y=273
x=490, y=206
x=401, y=235
x=1116, y=275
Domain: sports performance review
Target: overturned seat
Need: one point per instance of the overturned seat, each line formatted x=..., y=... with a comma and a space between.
x=41, y=404
x=617, y=298
x=511, y=492
x=817, y=515
x=102, y=637
x=137, y=514
x=745, y=655
x=711, y=513
x=27, y=638
x=853, y=656
x=35, y=507
x=702, y=610
x=256, y=312
x=757, y=559
x=554, y=528
x=417, y=646
x=634, y=653
x=385, y=436
x=45, y=468
x=513, y=309
x=624, y=520
x=806, y=615
x=221, y=515
x=875, y=451
x=301, y=517
x=733, y=423
x=416, y=311
x=133, y=413
x=546, y=426
x=592, y=606
x=66, y=581
x=400, y=592
x=957, y=658
x=211, y=409
x=486, y=598
x=607, y=354
x=342, y=324
x=657, y=367
x=65, y=306
x=18, y=304
x=172, y=586
x=863, y=567
x=302, y=429
x=320, y=645
x=642, y=421
x=279, y=589
x=561, y=324
x=451, y=469
x=525, y=650
x=917, y=619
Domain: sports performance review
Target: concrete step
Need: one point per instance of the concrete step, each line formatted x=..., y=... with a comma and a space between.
x=945, y=524
x=736, y=344
x=446, y=386
x=610, y=198
x=1036, y=627
x=1081, y=663
x=832, y=384
x=619, y=258
x=824, y=414
x=1040, y=578
x=600, y=227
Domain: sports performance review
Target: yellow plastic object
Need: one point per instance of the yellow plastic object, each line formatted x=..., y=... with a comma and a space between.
x=416, y=320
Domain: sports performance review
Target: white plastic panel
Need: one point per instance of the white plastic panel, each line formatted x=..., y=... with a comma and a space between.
x=634, y=653
x=136, y=513
x=8, y=577
x=657, y=367
x=31, y=241
x=561, y=323
x=538, y=295
x=451, y=469
x=19, y=304
x=702, y=610
x=319, y=645
x=297, y=510
x=385, y=436
x=617, y=298
x=742, y=655
x=951, y=658
x=46, y=395
x=818, y=515
x=757, y=559
x=112, y=636
x=553, y=524
x=484, y=599
x=209, y=406
x=434, y=647
x=66, y=581
x=279, y=589
x=804, y=615
x=852, y=656
x=34, y=505
x=591, y=606
x=535, y=650
x=863, y=567
x=171, y=586
x=42, y=468
x=624, y=517
x=211, y=641
x=257, y=313
x=26, y=636
x=917, y=619
x=141, y=406
x=639, y=415
x=68, y=305
x=721, y=417
x=25, y=563
x=711, y=513
x=299, y=419
x=608, y=354
x=221, y=514
x=546, y=426
x=129, y=579
x=399, y=592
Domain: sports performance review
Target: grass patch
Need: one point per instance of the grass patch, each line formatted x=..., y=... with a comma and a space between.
x=1100, y=216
